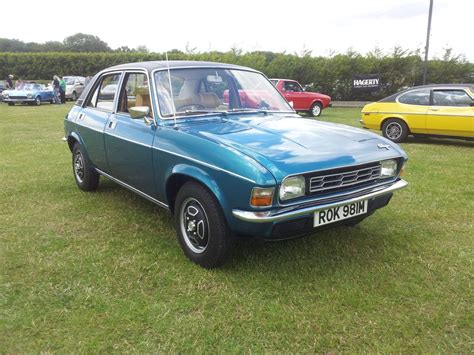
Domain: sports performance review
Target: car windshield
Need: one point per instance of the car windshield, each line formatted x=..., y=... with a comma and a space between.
x=30, y=87
x=69, y=80
x=209, y=90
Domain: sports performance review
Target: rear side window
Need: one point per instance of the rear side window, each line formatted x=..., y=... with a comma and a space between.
x=104, y=94
x=451, y=98
x=418, y=97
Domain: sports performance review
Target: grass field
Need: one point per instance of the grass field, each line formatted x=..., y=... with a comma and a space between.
x=102, y=272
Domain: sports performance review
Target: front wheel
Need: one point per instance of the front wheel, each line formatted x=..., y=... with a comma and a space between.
x=86, y=178
x=395, y=129
x=201, y=227
x=315, y=110
x=74, y=96
x=11, y=104
x=38, y=101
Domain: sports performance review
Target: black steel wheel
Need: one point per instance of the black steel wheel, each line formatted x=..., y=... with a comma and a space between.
x=86, y=177
x=201, y=226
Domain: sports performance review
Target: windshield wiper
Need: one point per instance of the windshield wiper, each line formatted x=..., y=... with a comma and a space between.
x=265, y=112
x=199, y=112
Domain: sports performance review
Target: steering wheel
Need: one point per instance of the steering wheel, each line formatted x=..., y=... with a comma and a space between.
x=191, y=107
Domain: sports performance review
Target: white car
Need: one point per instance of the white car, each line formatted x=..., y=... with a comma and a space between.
x=74, y=86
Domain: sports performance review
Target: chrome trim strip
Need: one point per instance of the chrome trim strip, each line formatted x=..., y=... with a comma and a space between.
x=142, y=194
x=422, y=113
x=206, y=164
x=126, y=139
x=284, y=214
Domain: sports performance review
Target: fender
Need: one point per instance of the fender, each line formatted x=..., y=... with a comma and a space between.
x=77, y=137
x=203, y=177
x=397, y=116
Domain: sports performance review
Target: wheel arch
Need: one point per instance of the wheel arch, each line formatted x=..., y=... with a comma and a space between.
x=395, y=117
x=72, y=138
x=183, y=173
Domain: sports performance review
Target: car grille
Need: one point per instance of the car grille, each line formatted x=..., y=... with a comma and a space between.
x=344, y=178
x=17, y=97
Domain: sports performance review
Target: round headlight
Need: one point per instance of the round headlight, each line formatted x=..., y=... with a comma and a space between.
x=292, y=187
x=389, y=168
x=29, y=96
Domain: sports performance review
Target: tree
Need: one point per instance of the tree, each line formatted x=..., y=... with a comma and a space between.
x=81, y=42
x=142, y=49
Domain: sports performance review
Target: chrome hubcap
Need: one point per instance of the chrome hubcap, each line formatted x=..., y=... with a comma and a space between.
x=316, y=110
x=394, y=130
x=79, y=167
x=194, y=225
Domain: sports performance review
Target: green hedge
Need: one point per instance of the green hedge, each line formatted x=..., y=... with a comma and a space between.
x=331, y=75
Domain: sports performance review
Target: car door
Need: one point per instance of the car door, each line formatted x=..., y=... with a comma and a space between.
x=293, y=91
x=128, y=141
x=91, y=121
x=413, y=106
x=451, y=113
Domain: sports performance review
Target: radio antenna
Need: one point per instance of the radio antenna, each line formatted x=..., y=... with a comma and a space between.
x=171, y=88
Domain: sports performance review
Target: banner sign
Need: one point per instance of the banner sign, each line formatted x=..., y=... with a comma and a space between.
x=366, y=82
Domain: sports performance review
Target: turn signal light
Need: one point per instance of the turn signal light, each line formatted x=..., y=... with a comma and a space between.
x=261, y=197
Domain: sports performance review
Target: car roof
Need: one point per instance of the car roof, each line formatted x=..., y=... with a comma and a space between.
x=392, y=97
x=174, y=64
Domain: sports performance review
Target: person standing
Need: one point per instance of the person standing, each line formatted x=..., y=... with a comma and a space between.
x=62, y=90
x=9, y=82
x=56, y=87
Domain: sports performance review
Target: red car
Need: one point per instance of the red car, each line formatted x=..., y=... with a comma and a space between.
x=312, y=103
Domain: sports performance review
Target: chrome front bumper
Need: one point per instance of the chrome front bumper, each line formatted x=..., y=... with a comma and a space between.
x=292, y=212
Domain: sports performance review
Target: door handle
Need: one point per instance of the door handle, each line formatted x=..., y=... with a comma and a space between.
x=434, y=109
x=81, y=116
x=112, y=124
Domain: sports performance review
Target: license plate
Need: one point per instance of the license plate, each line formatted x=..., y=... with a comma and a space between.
x=339, y=213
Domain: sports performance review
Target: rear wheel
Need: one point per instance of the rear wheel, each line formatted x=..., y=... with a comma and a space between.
x=87, y=179
x=315, y=110
x=201, y=227
x=395, y=129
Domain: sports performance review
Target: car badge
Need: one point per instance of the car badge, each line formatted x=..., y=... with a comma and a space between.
x=383, y=146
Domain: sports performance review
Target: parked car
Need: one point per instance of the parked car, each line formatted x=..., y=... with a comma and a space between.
x=30, y=93
x=311, y=103
x=225, y=169
x=74, y=86
x=2, y=87
x=431, y=110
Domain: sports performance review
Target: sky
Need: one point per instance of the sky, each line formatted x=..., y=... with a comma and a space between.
x=293, y=26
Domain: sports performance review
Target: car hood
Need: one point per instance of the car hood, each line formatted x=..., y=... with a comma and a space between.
x=288, y=145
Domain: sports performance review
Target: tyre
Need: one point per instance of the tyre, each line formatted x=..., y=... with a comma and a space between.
x=11, y=104
x=87, y=179
x=315, y=110
x=395, y=129
x=38, y=101
x=201, y=228
x=74, y=96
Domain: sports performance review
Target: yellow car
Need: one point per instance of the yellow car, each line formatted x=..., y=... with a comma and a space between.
x=433, y=110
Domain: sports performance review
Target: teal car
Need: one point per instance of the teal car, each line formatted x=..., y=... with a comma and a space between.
x=180, y=135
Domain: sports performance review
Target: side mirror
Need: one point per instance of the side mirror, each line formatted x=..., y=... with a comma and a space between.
x=139, y=112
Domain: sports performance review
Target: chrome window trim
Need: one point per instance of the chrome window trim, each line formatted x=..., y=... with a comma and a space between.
x=212, y=67
x=139, y=192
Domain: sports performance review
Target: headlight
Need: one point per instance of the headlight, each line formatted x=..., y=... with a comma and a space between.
x=389, y=168
x=292, y=187
x=5, y=95
x=29, y=96
x=261, y=196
